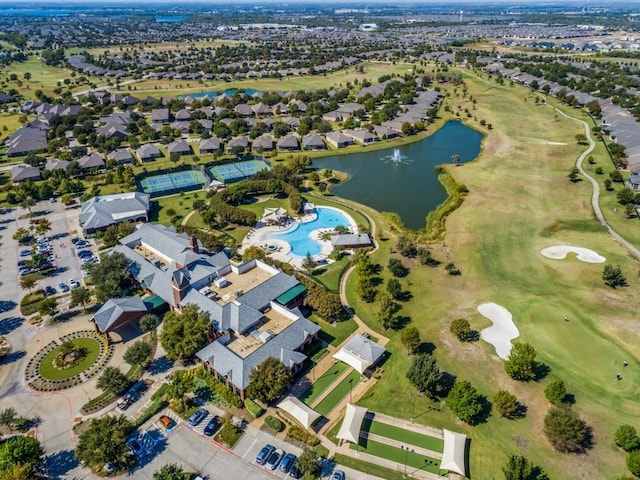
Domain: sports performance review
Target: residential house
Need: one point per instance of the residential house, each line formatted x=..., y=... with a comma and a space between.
x=313, y=141
x=91, y=161
x=210, y=145
x=361, y=136
x=160, y=115
x=238, y=142
x=55, y=164
x=338, y=139
x=288, y=143
x=121, y=156
x=20, y=173
x=181, y=147
x=351, y=240
x=261, y=109
x=148, y=152
x=263, y=143
x=26, y=139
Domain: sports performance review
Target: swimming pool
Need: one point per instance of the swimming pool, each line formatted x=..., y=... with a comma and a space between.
x=299, y=236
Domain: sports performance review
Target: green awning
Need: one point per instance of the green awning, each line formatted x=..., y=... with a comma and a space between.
x=153, y=301
x=290, y=294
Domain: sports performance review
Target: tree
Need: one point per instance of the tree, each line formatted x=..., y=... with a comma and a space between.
x=47, y=307
x=43, y=226
x=566, y=431
x=581, y=138
x=104, y=441
x=21, y=233
x=556, y=392
x=27, y=283
x=111, y=276
x=521, y=363
x=308, y=463
x=506, y=404
x=626, y=437
x=394, y=288
x=626, y=196
x=148, y=322
x=308, y=264
x=138, y=353
x=171, y=471
x=410, y=338
x=465, y=402
x=112, y=380
x=269, y=380
x=425, y=375
x=633, y=462
x=386, y=309
x=186, y=333
x=7, y=417
x=460, y=328
x=406, y=247
x=519, y=468
x=607, y=184
x=396, y=268
x=573, y=174
x=80, y=296
x=20, y=450
x=613, y=276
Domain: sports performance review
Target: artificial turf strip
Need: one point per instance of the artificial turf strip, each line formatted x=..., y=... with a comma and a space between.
x=340, y=391
x=322, y=383
x=48, y=371
x=414, y=460
x=406, y=436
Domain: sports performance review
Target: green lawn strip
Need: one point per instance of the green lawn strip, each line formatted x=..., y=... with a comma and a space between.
x=331, y=274
x=402, y=435
x=366, y=467
x=322, y=383
x=181, y=204
x=340, y=391
x=334, y=333
x=48, y=371
x=413, y=460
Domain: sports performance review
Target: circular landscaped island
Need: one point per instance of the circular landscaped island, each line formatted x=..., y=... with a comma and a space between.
x=68, y=361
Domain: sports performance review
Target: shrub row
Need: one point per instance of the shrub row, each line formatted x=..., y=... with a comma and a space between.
x=154, y=408
x=253, y=408
x=302, y=435
x=273, y=423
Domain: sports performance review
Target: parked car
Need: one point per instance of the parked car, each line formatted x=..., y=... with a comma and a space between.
x=63, y=287
x=137, y=449
x=166, y=422
x=73, y=283
x=338, y=475
x=197, y=417
x=264, y=454
x=212, y=427
x=49, y=291
x=274, y=459
x=26, y=252
x=288, y=461
x=124, y=403
x=85, y=253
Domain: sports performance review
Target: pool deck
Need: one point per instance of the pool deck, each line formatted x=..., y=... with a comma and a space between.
x=260, y=237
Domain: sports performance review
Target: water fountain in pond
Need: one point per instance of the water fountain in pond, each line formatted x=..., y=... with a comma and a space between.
x=396, y=158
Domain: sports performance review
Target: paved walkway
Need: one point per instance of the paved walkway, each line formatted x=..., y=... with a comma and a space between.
x=595, y=196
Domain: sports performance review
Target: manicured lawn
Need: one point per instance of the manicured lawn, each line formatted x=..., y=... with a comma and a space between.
x=334, y=333
x=340, y=391
x=181, y=204
x=402, y=435
x=366, y=467
x=520, y=201
x=264, y=202
x=48, y=371
x=414, y=461
x=330, y=275
x=322, y=383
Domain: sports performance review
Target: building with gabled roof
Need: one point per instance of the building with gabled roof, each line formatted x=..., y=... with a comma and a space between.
x=22, y=172
x=100, y=212
x=117, y=311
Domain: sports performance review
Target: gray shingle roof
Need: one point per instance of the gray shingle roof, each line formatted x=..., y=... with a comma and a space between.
x=100, y=212
x=260, y=296
x=114, y=308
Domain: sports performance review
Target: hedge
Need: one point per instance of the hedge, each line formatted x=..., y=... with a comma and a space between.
x=273, y=423
x=253, y=408
x=154, y=408
x=302, y=435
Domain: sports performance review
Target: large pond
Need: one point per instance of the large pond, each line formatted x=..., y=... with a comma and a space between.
x=403, y=179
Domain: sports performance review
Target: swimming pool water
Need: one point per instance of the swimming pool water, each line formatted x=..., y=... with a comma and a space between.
x=299, y=235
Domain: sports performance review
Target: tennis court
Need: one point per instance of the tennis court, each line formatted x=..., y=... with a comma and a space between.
x=169, y=183
x=233, y=172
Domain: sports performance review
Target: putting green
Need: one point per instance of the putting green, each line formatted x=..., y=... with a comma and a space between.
x=48, y=371
x=322, y=383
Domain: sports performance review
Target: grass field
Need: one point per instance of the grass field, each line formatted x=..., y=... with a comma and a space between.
x=372, y=71
x=368, y=467
x=181, y=205
x=48, y=371
x=520, y=201
x=322, y=383
x=334, y=333
x=338, y=392
x=400, y=434
x=412, y=460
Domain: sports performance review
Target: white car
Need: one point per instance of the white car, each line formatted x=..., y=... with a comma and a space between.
x=73, y=283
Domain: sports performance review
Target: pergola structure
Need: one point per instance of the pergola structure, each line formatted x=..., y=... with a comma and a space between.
x=352, y=423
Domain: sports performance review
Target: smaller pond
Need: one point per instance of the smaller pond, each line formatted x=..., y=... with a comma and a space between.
x=300, y=237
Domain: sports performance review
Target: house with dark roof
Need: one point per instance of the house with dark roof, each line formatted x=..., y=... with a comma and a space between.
x=180, y=147
x=351, y=240
x=20, y=173
x=263, y=143
x=91, y=161
x=288, y=143
x=55, y=164
x=160, y=115
x=117, y=312
x=183, y=115
x=241, y=142
x=5, y=98
x=253, y=307
x=148, y=152
x=100, y=212
x=313, y=141
x=121, y=156
x=361, y=136
x=28, y=138
x=338, y=139
x=210, y=145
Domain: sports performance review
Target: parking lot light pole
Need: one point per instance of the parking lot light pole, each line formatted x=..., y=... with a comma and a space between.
x=406, y=454
x=413, y=409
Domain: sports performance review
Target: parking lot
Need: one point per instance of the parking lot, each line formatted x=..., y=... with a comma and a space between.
x=63, y=254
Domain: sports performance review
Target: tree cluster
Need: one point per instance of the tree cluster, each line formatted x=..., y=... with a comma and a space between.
x=269, y=380
x=111, y=276
x=104, y=441
x=183, y=334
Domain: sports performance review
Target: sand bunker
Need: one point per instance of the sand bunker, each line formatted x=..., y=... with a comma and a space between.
x=559, y=252
x=502, y=331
